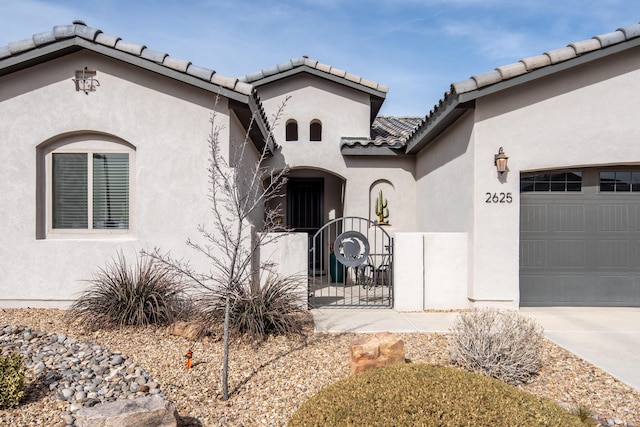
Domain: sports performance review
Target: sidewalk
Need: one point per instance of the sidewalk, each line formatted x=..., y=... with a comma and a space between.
x=366, y=320
x=606, y=337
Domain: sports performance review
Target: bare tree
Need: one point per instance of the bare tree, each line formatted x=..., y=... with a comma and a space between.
x=239, y=190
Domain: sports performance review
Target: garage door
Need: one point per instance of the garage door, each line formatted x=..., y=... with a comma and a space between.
x=580, y=238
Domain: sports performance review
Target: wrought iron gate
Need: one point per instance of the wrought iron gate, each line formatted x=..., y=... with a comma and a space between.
x=356, y=265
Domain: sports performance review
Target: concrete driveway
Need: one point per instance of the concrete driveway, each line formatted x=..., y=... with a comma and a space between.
x=606, y=337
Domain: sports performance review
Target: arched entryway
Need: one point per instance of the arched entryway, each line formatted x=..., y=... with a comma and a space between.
x=312, y=198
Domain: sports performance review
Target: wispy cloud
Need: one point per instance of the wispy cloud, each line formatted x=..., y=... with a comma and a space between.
x=490, y=41
x=417, y=47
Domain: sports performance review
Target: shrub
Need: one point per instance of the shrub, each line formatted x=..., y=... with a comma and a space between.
x=11, y=380
x=259, y=311
x=427, y=395
x=499, y=344
x=119, y=295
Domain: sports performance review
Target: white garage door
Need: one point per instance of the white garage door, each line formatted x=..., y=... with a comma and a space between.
x=580, y=238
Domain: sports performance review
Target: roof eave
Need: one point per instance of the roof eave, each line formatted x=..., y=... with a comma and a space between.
x=548, y=70
x=263, y=127
x=38, y=55
x=306, y=69
x=64, y=47
x=371, y=150
x=437, y=123
x=458, y=104
x=376, y=104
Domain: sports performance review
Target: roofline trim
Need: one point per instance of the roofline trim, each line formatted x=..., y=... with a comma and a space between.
x=444, y=114
x=548, y=70
x=65, y=46
x=313, y=71
x=371, y=150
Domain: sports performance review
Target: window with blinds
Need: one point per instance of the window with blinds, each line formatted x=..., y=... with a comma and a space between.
x=90, y=191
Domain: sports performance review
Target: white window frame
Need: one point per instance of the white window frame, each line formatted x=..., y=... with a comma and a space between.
x=88, y=147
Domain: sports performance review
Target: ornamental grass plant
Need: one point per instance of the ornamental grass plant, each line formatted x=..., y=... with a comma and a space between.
x=259, y=310
x=120, y=294
x=428, y=395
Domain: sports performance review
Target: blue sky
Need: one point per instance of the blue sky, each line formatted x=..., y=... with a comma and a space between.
x=416, y=47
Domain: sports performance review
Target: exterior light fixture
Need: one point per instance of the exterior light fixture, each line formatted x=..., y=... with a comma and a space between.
x=85, y=81
x=500, y=161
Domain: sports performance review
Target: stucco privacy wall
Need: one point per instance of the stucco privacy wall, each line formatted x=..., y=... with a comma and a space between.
x=167, y=123
x=430, y=271
x=288, y=253
x=344, y=112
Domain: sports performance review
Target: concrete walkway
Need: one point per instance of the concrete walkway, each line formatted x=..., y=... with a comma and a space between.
x=606, y=337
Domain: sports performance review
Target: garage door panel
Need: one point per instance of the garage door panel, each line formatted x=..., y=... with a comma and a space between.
x=569, y=254
x=613, y=219
x=569, y=290
x=580, y=247
x=572, y=290
x=617, y=290
x=534, y=218
x=536, y=290
x=569, y=218
x=533, y=253
x=613, y=254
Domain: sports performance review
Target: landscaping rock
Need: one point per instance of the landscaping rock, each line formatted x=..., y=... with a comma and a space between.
x=373, y=351
x=145, y=411
x=190, y=330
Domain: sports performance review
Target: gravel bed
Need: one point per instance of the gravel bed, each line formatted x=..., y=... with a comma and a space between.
x=269, y=382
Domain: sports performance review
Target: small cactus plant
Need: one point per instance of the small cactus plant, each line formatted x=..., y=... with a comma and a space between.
x=381, y=209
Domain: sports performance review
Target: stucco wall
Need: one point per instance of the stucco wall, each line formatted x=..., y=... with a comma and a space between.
x=166, y=122
x=344, y=112
x=445, y=186
x=579, y=117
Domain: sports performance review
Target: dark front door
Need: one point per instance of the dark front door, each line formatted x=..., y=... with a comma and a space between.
x=304, y=208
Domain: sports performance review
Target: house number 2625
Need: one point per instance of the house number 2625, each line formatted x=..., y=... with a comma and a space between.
x=498, y=198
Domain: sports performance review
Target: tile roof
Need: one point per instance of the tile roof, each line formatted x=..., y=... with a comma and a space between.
x=272, y=73
x=548, y=58
x=447, y=110
x=80, y=30
x=390, y=132
x=78, y=34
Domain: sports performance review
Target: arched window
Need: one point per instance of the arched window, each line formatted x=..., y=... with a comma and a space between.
x=291, y=130
x=85, y=185
x=315, y=131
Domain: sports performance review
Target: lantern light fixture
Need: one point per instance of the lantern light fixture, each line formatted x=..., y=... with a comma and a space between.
x=86, y=81
x=500, y=161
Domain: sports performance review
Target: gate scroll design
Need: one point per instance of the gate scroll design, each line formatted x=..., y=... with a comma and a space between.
x=356, y=265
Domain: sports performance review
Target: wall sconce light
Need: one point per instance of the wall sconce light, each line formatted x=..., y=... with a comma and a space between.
x=85, y=81
x=500, y=161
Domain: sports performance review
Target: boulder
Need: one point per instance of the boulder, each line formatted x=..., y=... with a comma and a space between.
x=190, y=330
x=373, y=351
x=144, y=411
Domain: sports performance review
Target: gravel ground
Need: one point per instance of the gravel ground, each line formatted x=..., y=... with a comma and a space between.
x=269, y=382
